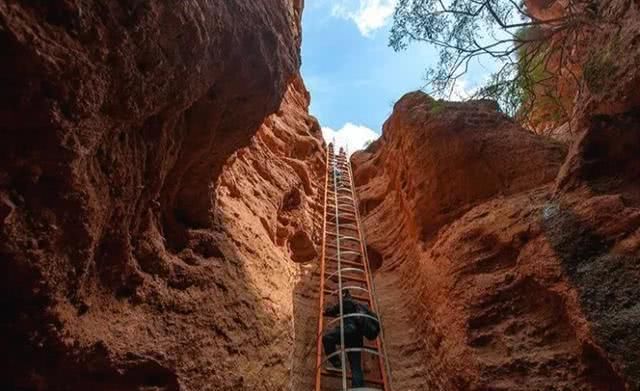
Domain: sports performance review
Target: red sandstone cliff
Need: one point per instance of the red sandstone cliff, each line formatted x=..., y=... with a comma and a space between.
x=495, y=274
x=151, y=214
x=159, y=200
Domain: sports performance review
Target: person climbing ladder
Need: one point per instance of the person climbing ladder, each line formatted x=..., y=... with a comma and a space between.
x=353, y=338
x=346, y=283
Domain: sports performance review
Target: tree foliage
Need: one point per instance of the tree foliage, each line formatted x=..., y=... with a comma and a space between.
x=531, y=52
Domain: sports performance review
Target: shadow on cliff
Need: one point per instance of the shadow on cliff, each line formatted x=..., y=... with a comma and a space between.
x=231, y=325
x=605, y=157
x=607, y=285
x=305, y=323
x=118, y=115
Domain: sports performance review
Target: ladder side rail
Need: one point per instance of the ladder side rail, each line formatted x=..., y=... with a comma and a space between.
x=384, y=363
x=322, y=271
x=343, y=353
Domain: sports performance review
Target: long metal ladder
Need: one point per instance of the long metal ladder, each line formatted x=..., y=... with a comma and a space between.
x=345, y=266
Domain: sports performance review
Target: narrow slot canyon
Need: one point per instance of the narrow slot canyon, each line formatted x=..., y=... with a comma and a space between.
x=170, y=211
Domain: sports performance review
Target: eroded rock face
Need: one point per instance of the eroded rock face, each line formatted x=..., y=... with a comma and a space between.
x=143, y=233
x=493, y=277
x=269, y=207
x=465, y=153
x=601, y=74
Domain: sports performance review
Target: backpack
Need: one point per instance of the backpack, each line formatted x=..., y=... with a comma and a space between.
x=370, y=328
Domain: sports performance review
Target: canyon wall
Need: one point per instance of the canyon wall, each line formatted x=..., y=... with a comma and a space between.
x=158, y=194
x=508, y=262
x=160, y=200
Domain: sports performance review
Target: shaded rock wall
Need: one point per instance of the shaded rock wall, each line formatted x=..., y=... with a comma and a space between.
x=493, y=277
x=269, y=205
x=596, y=65
x=151, y=212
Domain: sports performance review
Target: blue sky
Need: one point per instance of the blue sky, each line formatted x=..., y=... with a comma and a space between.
x=353, y=76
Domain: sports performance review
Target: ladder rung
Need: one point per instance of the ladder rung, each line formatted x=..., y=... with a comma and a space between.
x=333, y=195
x=372, y=347
x=343, y=228
x=346, y=269
x=334, y=266
x=357, y=279
x=344, y=246
x=346, y=261
x=345, y=249
x=350, y=238
x=357, y=297
x=349, y=225
x=349, y=217
x=343, y=213
x=335, y=269
x=346, y=208
x=339, y=375
x=331, y=201
x=342, y=201
x=332, y=210
x=349, y=210
x=351, y=231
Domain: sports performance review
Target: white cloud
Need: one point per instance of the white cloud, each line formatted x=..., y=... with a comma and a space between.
x=368, y=15
x=460, y=91
x=351, y=137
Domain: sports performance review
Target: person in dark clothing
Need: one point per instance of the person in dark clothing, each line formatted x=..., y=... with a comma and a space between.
x=353, y=338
